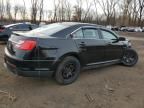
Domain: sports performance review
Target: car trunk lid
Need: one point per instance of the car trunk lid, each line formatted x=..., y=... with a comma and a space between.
x=22, y=47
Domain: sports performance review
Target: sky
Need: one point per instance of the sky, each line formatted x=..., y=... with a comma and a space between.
x=48, y=4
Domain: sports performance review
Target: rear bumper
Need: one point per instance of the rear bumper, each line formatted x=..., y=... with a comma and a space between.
x=3, y=37
x=27, y=68
x=28, y=73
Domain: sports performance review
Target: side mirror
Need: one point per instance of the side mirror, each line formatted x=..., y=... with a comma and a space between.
x=122, y=38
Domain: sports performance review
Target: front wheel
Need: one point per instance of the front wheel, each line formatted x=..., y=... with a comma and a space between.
x=130, y=57
x=68, y=70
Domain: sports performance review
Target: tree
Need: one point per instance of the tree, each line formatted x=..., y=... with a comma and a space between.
x=125, y=6
x=34, y=10
x=108, y=7
x=22, y=12
x=61, y=10
x=96, y=15
x=68, y=10
x=88, y=7
x=41, y=10
x=48, y=15
x=2, y=9
x=133, y=10
x=16, y=9
x=141, y=11
x=56, y=7
x=8, y=10
x=78, y=11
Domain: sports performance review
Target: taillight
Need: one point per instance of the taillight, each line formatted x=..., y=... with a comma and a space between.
x=27, y=45
x=1, y=30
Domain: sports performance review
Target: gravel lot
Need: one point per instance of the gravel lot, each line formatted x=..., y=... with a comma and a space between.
x=113, y=86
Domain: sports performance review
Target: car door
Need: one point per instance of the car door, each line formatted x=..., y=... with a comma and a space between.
x=113, y=48
x=91, y=47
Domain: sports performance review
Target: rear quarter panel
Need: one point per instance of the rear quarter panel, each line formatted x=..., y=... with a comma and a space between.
x=54, y=48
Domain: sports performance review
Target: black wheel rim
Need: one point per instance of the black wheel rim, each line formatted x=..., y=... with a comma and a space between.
x=69, y=71
x=129, y=58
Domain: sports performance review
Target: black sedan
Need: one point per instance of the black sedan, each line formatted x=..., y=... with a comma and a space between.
x=61, y=50
x=7, y=30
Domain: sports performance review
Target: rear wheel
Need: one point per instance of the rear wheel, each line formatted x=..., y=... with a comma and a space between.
x=130, y=57
x=68, y=70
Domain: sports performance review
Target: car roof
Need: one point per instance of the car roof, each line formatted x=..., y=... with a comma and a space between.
x=78, y=24
x=69, y=27
x=72, y=26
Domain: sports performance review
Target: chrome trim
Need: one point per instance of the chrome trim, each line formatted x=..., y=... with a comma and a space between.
x=76, y=30
x=37, y=60
x=73, y=32
x=81, y=28
x=103, y=62
x=42, y=69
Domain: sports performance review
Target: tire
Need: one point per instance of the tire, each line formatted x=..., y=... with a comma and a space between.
x=130, y=57
x=68, y=70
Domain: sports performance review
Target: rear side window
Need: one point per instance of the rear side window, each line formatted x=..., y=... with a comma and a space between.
x=90, y=33
x=87, y=33
x=78, y=34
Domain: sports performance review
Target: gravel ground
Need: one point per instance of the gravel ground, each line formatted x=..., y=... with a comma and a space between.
x=113, y=86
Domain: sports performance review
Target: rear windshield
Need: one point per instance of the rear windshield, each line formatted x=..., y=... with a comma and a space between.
x=48, y=29
x=10, y=25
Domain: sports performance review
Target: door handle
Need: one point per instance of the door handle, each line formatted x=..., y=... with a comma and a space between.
x=109, y=43
x=82, y=44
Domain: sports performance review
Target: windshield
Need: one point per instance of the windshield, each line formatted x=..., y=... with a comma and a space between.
x=48, y=29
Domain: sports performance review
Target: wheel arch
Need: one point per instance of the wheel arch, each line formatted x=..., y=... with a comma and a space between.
x=73, y=54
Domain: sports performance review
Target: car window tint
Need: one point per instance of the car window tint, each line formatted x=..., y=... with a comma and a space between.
x=21, y=27
x=34, y=26
x=107, y=35
x=78, y=34
x=49, y=30
x=91, y=33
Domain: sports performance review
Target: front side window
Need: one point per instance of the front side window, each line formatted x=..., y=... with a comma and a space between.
x=91, y=33
x=107, y=35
